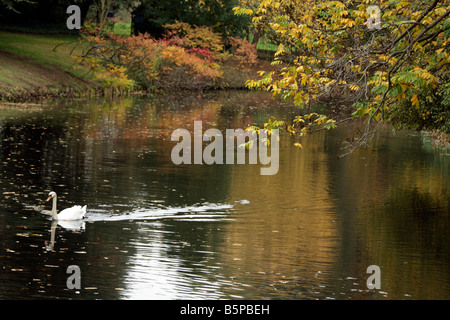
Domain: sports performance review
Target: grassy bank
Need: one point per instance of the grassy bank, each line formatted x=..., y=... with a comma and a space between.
x=36, y=65
x=31, y=66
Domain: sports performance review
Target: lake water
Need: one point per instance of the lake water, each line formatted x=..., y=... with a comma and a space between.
x=156, y=230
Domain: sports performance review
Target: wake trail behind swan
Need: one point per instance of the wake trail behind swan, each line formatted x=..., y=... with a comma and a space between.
x=201, y=211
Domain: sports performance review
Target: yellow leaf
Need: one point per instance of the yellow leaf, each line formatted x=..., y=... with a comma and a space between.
x=304, y=79
x=298, y=145
x=415, y=100
x=281, y=50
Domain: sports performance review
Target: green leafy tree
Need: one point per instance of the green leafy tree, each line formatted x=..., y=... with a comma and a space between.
x=152, y=15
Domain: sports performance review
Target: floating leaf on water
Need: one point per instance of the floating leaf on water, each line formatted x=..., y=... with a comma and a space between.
x=23, y=235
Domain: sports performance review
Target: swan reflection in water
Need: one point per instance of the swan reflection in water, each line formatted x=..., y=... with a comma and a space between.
x=77, y=225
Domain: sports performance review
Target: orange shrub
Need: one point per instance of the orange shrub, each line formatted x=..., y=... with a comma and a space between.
x=140, y=60
x=245, y=52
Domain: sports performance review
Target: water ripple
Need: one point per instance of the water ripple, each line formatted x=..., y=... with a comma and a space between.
x=201, y=211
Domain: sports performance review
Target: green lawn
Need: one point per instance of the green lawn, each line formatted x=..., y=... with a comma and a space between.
x=41, y=48
x=264, y=44
x=31, y=62
x=122, y=29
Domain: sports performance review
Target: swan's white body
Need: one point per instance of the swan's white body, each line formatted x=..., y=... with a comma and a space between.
x=69, y=214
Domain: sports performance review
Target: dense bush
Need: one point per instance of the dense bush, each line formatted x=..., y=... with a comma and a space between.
x=193, y=37
x=121, y=63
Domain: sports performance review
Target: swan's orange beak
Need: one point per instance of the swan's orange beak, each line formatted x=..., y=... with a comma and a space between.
x=49, y=198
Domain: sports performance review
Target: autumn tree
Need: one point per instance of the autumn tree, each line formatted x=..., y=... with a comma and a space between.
x=388, y=59
x=295, y=9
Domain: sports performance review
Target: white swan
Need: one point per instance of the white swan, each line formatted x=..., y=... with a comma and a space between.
x=74, y=213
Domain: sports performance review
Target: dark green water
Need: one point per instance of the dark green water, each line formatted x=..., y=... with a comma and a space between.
x=160, y=231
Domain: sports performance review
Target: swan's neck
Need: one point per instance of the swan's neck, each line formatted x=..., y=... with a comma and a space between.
x=54, y=212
